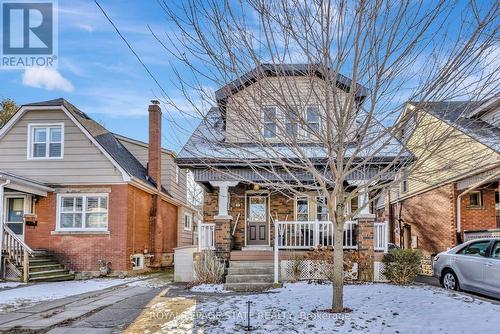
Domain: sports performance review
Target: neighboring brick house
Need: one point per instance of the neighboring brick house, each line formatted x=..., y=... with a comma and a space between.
x=239, y=209
x=452, y=195
x=91, y=198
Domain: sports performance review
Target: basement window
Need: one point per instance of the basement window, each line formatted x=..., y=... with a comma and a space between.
x=475, y=199
x=138, y=261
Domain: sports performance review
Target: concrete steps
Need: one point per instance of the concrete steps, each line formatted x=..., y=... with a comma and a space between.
x=249, y=276
x=44, y=267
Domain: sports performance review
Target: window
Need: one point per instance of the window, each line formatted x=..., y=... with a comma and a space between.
x=475, y=199
x=188, y=222
x=137, y=261
x=475, y=249
x=312, y=118
x=292, y=123
x=404, y=186
x=302, y=209
x=177, y=174
x=83, y=212
x=45, y=141
x=269, y=115
x=321, y=209
x=495, y=252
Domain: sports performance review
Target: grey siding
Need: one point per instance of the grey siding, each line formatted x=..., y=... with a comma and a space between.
x=83, y=162
x=168, y=167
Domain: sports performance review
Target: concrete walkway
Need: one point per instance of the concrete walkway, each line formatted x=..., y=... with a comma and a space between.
x=104, y=311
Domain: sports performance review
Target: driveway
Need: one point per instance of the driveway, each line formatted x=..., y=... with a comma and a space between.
x=109, y=310
x=432, y=281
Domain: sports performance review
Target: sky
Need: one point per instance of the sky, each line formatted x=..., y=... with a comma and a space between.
x=99, y=74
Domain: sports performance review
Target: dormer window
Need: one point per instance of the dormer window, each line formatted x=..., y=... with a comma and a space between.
x=292, y=123
x=269, y=116
x=312, y=118
x=45, y=141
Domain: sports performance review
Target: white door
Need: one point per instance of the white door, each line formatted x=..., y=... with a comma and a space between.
x=14, y=214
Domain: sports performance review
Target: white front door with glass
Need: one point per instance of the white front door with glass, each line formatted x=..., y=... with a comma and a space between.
x=14, y=215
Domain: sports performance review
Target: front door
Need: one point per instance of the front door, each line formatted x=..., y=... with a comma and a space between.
x=14, y=215
x=257, y=220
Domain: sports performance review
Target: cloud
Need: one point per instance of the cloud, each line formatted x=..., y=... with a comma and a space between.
x=86, y=27
x=46, y=78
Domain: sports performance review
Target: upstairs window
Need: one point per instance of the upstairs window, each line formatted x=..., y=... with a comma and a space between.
x=188, y=222
x=312, y=119
x=269, y=116
x=45, y=141
x=292, y=123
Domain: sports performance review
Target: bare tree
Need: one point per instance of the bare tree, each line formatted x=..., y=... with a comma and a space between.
x=389, y=51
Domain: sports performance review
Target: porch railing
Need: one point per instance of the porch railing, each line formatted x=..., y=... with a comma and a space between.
x=16, y=251
x=206, y=236
x=309, y=234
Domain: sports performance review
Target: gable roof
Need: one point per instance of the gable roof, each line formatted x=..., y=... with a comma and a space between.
x=106, y=139
x=457, y=114
x=272, y=70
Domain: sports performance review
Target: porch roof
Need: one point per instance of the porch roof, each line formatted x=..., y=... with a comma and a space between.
x=24, y=184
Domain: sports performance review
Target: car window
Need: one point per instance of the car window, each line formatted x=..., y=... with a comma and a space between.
x=475, y=249
x=495, y=253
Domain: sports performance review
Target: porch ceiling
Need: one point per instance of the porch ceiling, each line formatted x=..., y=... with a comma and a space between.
x=22, y=184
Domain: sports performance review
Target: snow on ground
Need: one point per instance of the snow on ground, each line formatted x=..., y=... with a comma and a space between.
x=29, y=294
x=9, y=285
x=377, y=308
x=213, y=288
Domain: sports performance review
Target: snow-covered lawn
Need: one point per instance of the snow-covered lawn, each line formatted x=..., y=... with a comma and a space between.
x=377, y=308
x=27, y=295
x=213, y=288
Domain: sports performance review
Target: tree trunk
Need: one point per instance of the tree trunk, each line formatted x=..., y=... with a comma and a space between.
x=338, y=268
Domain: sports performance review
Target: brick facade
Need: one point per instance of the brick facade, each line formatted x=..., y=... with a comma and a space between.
x=431, y=217
x=129, y=232
x=366, y=247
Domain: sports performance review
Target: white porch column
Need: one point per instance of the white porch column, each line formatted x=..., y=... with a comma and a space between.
x=2, y=185
x=223, y=196
x=363, y=202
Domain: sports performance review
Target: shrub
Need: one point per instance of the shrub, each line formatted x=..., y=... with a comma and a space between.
x=402, y=265
x=208, y=269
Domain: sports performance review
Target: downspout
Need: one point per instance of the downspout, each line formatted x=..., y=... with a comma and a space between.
x=2, y=185
x=458, y=221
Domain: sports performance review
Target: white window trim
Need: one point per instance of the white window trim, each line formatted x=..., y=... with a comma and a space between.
x=30, y=143
x=190, y=228
x=305, y=131
x=141, y=261
x=177, y=174
x=276, y=119
x=308, y=206
x=84, y=207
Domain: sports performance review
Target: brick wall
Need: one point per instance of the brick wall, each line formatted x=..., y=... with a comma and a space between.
x=81, y=252
x=129, y=232
x=431, y=216
x=481, y=218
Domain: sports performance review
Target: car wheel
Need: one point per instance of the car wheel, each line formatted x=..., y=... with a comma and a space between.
x=450, y=281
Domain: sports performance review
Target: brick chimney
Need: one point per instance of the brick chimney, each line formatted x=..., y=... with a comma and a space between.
x=154, y=152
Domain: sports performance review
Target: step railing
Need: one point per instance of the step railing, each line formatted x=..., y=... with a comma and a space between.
x=206, y=236
x=16, y=251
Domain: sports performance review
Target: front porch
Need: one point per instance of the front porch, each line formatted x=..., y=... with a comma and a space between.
x=245, y=224
x=18, y=261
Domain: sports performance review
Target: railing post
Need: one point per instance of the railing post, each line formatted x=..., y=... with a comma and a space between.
x=276, y=252
x=200, y=236
x=316, y=233
x=26, y=266
x=386, y=245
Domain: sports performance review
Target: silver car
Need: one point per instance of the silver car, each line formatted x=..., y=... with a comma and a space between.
x=472, y=266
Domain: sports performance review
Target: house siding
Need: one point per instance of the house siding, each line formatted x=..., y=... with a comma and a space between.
x=83, y=162
x=168, y=167
x=243, y=109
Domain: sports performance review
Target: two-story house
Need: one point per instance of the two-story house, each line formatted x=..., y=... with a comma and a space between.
x=242, y=215
x=452, y=193
x=76, y=198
